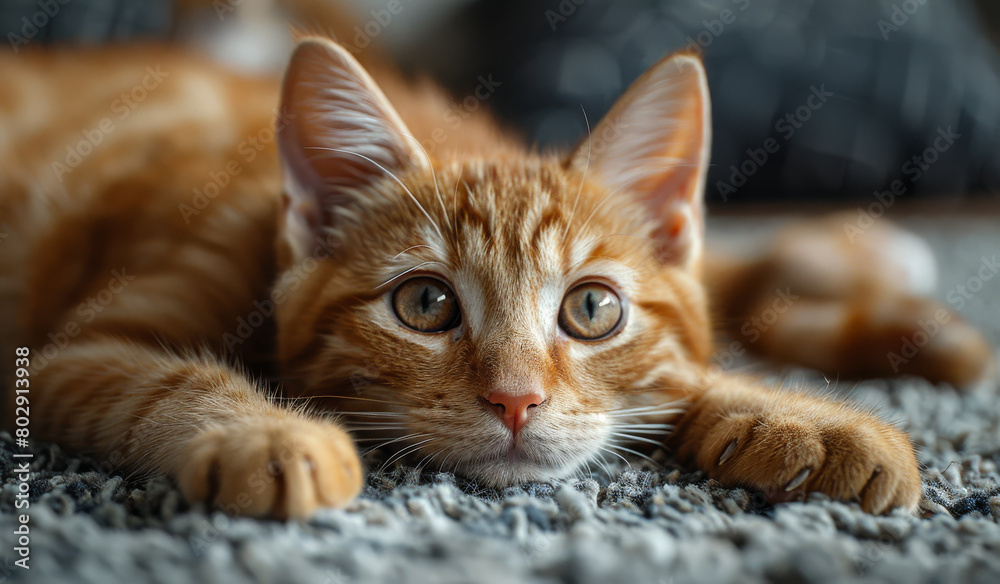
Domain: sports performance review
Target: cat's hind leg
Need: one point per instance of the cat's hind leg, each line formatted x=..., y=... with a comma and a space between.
x=850, y=303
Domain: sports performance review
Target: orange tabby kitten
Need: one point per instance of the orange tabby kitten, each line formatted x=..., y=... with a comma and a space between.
x=507, y=315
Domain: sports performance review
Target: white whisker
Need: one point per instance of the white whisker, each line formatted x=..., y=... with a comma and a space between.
x=394, y=440
x=601, y=462
x=394, y=177
x=404, y=452
x=637, y=438
x=605, y=449
x=631, y=414
x=648, y=426
x=650, y=407
x=662, y=432
x=454, y=202
x=599, y=205
x=583, y=179
x=427, y=460
x=434, y=175
x=354, y=397
x=412, y=247
x=380, y=414
x=635, y=452
x=416, y=267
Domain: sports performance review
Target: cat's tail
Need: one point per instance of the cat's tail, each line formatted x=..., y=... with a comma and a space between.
x=853, y=303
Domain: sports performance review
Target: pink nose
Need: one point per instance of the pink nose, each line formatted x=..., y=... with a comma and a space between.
x=513, y=410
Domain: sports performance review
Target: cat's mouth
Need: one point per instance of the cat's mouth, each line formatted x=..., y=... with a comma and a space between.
x=516, y=452
x=503, y=460
x=513, y=468
x=551, y=446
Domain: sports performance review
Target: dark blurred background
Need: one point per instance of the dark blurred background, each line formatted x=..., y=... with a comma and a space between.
x=842, y=96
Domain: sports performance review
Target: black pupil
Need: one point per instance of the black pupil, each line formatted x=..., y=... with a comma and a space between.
x=426, y=305
x=590, y=304
x=432, y=299
x=425, y=299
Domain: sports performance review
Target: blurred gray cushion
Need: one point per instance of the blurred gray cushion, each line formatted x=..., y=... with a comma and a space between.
x=901, y=71
x=24, y=22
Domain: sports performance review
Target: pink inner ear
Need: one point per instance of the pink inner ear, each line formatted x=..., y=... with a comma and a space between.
x=655, y=144
x=682, y=149
x=341, y=133
x=342, y=126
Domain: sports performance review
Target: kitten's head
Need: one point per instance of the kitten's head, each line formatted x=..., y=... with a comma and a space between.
x=508, y=318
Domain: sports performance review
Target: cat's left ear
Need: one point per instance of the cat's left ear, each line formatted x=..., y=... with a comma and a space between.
x=338, y=133
x=654, y=145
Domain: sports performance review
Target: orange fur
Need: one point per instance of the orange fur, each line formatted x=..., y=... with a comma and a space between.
x=146, y=378
x=858, y=299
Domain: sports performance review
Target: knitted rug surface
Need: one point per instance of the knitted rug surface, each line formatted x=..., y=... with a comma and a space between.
x=637, y=523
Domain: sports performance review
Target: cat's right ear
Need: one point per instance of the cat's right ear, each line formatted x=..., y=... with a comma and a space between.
x=654, y=145
x=338, y=132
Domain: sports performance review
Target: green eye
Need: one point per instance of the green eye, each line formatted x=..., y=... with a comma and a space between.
x=590, y=311
x=426, y=305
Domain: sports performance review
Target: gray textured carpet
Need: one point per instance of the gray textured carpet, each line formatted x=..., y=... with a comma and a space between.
x=642, y=524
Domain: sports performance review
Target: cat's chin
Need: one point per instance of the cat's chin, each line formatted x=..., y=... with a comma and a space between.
x=551, y=447
x=504, y=474
x=516, y=468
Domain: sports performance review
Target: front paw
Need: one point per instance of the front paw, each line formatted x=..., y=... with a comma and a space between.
x=279, y=467
x=787, y=455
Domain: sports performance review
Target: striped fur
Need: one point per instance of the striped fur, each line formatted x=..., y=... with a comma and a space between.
x=142, y=301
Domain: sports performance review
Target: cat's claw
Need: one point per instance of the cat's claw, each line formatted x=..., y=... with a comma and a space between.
x=728, y=452
x=786, y=455
x=798, y=480
x=285, y=468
